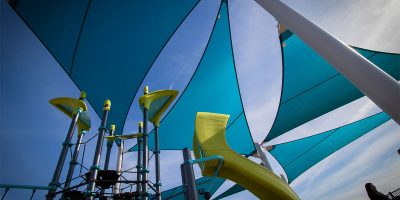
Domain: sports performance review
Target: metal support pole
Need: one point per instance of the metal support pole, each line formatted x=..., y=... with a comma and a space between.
x=139, y=158
x=73, y=162
x=145, y=162
x=109, y=146
x=94, y=169
x=262, y=156
x=189, y=175
x=380, y=87
x=108, y=153
x=116, y=189
x=157, y=162
x=184, y=182
x=56, y=176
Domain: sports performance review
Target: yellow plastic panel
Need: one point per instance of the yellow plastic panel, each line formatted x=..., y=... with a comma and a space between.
x=156, y=103
x=123, y=137
x=209, y=140
x=84, y=122
x=70, y=106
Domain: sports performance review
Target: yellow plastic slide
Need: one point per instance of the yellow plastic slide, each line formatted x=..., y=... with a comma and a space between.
x=209, y=140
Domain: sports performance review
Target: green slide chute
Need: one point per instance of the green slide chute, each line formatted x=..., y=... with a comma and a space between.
x=298, y=156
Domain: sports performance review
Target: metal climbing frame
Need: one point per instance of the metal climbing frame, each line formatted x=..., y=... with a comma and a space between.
x=94, y=169
x=73, y=108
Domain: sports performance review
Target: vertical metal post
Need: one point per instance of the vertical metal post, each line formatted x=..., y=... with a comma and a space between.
x=157, y=162
x=189, y=175
x=116, y=189
x=108, y=153
x=73, y=162
x=56, y=176
x=145, y=171
x=262, y=156
x=283, y=178
x=109, y=146
x=139, y=158
x=94, y=169
x=184, y=182
x=74, y=159
x=380, y=87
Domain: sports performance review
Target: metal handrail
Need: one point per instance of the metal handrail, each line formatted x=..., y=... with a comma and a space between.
x=28, y=187
x=219, y=158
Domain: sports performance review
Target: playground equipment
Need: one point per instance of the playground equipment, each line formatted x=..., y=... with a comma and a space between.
x=110, y=139
x=142, y=182
x=153, y=105
x=73, y=108
x=216, y=158
x=108, y=153
x=94, y=169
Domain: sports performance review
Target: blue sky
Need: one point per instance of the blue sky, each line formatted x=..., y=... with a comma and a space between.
x=32, y=131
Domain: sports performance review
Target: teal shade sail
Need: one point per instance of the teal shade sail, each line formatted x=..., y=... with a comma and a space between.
x=311, y=87
x=203, y=184
x=298, y=156
x=105, y=47
x=213, y=88
x=231, y=191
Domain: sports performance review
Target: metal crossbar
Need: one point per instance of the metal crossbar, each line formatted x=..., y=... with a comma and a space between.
x=34, y=188
x=219, y=158
x=28, y=187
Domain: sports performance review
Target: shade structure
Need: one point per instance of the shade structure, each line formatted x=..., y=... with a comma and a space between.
x=203, y=184
x=311, y=87
x=298, y=156
x=213, y=88
x=231, y=191
x=105, y=47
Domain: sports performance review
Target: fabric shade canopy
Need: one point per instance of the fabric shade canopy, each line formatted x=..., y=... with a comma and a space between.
x=213, y=88
x=203, y=184
x=311, y=87
x=298, y=156
x=105, y=47
x=231, y=191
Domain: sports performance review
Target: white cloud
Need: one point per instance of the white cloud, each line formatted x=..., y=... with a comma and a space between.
x=258, y=64
x=368, y=24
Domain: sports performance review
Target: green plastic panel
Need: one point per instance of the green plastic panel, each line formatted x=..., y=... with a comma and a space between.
x=156, y=106
x=298, y=156
x=311, y=87
x=106, y=47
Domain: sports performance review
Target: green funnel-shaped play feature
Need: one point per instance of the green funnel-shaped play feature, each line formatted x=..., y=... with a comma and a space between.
x=157, y=103
x=70, y=106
